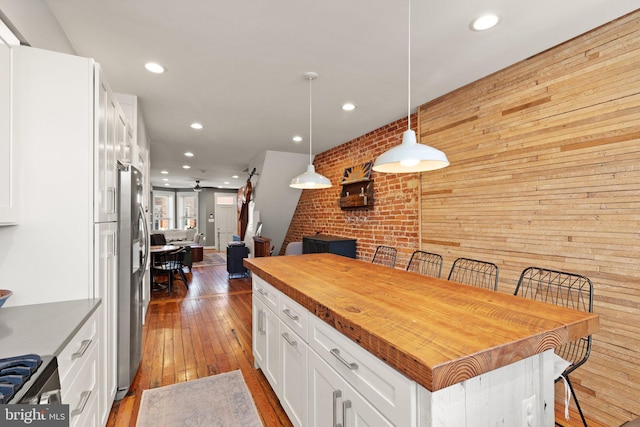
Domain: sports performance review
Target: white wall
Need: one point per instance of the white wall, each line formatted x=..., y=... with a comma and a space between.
x=273, y=197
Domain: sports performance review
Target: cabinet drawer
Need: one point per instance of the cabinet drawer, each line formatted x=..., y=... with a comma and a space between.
x=267, y=293
x=294, y=316
x=393, y=394
x=80, y=388
x=73, y=355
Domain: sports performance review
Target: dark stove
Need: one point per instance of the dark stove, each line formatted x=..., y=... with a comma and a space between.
x=29, y=378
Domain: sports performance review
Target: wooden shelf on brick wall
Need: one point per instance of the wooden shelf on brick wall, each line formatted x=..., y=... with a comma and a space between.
x=356, y=195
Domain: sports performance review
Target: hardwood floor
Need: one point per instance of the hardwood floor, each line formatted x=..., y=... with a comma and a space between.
x=196, y=332
x=206, y=330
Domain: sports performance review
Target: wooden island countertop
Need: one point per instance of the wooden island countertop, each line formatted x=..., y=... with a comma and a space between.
x=437, y=333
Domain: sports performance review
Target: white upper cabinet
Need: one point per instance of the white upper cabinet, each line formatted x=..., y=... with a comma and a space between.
x=8, y=159
x=106, y=137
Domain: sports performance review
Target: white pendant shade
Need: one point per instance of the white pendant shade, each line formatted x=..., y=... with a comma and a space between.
x=410, y=157
x=310, y=180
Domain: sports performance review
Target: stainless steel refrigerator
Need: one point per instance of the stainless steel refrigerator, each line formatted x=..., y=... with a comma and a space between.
x=133, y=250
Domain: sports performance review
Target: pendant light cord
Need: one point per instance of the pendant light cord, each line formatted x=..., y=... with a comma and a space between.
x=409, y=72
x=310, y=120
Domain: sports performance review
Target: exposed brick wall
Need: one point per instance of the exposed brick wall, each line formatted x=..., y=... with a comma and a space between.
x=392, y=221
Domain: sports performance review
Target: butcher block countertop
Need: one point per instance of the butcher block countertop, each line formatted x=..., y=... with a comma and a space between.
x=437, y=333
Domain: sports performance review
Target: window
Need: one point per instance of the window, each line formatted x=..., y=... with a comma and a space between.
x=187, y=210
x=163, y=209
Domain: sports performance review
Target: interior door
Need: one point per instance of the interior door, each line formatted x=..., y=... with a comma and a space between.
x=226, y=219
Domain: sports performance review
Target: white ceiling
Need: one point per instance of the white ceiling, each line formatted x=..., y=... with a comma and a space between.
x=237, y=66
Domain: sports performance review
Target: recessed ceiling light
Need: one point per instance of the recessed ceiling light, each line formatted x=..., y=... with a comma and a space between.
x=235, y=177
x=186, y=167
x=196, y=125
x=348, y=107
x=165, y=179
x=485, y=22
x=164, y=172
x=297, y=138
x=188, y=154
x=166, y=184
x=154, y=67
x=226, y=183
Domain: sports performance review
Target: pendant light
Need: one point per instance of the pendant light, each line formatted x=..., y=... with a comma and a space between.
x=410, y=156
x=310, y=180
x=197, y=188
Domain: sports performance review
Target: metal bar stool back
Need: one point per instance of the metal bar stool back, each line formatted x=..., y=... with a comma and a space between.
x=385, y=255
x=425, y=263
x=481, y=274
x=569, y=290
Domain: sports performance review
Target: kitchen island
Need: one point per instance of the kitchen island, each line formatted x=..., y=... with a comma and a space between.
x=455, y=354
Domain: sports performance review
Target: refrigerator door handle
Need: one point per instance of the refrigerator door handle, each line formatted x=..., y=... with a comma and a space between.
x=145, y=238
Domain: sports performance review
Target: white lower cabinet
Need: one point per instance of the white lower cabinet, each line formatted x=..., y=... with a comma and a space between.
x=294, y=353
x=78, y=365
x=266, y=343
x=321, y=377
x=333, y=402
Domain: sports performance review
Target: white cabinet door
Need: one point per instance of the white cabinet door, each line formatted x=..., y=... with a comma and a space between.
x=326, y=390
x=105, y=171
x=267, y=343
x=293, y=397
x=333, y=402
x=258, y=333
x=106, y=271
x=123, y=141
x=8, y=160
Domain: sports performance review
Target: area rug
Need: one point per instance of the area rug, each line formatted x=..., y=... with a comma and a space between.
x=211, y=259
x=221, y=400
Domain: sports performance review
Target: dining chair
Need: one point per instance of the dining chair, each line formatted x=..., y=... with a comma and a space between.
x=426, y=263
x=385, y=255
x=169, y=264
x=481, y=274
x=569, y=290
x=158, y=239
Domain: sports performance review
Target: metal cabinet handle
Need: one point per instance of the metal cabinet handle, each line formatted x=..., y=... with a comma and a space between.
x=260, y=321
x=263, y=316
x=336, y=353
x=263, y=292
x=336, y=394
x=84, y=398
x=288, y=313
x=289, y=340
x=83, y=348
x=345, y=405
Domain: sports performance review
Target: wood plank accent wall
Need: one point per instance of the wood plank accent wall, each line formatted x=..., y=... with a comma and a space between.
x=545, y=171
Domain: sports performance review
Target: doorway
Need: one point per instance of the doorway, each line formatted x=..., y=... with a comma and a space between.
x=226, y=212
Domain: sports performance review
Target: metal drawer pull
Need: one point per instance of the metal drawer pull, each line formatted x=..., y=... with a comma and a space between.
x=263, y=292
x=353, y=366
x=345, y=405
x=288, y=313
x=83, y=348
x=84, y=398
x=289, y=340
x=336, y=394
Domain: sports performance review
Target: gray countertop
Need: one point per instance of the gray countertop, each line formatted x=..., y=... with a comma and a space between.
x=43, y=329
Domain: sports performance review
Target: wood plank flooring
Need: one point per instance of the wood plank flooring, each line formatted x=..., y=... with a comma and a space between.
x=196, y=332
x=206, y=330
